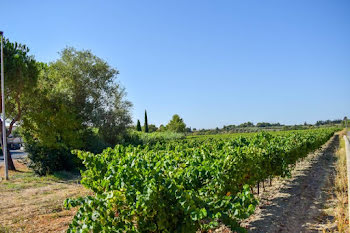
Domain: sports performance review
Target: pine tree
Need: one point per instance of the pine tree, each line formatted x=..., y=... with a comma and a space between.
x=146, y=122
x=138, y=126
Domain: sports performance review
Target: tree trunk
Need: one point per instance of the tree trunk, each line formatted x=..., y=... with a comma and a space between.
x=11, y=165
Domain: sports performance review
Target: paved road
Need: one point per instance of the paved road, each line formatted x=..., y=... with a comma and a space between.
x=16, y=154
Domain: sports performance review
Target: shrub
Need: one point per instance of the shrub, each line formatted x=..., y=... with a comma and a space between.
x=44, y=160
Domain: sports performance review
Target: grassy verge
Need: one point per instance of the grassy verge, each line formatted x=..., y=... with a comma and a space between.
x=341, y=190
x=30, y=203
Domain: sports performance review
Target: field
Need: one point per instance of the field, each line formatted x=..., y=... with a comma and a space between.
x=186, y=185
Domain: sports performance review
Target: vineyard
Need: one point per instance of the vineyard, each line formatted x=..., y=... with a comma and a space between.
x=185, y=185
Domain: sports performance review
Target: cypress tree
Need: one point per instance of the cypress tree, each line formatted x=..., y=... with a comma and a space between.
x=138, y=126
x=146, y=122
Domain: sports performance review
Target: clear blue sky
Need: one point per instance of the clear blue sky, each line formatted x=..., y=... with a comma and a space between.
x=213, y=62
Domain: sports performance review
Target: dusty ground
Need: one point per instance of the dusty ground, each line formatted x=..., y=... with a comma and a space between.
x=34, y=204
x=300, y=203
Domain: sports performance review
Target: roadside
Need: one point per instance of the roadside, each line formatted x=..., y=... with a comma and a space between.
x=15, y=154
x=338, y=206
x=297, y=204
x=30, y=203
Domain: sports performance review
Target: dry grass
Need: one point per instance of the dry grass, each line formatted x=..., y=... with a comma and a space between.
x=30, y=203
x=341, y=190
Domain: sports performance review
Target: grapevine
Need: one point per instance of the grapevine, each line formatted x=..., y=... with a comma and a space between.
x=185, y=185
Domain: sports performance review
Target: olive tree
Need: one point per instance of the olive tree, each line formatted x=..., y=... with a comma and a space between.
x=91, y=88
x=78, y=104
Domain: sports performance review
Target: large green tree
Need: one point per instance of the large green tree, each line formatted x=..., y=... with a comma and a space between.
x=78, y=104
x=51, y=129
x=21, y=72
x=176, y=124
x=91, y=88
x=50, y=119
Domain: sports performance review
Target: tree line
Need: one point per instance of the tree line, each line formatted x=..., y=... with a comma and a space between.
x=176, y=124
x=247, y=127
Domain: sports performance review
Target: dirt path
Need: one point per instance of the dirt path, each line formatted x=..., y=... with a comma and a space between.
x=297, y=204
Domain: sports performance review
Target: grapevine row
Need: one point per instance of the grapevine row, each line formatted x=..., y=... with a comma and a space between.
x=187, y=185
